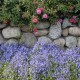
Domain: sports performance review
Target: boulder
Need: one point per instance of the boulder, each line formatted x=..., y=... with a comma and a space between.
x=2, y=40
x=28, y=39
x=44, y=39
x=60, y=42
x=41, y=33
x=55, y=31
x=2, y=26
x=74, y=31
x=78, y=42
x=65, y=32
x=71, y=41
x=11, y=41
x=11, y=32
x=25, y=28
x=42, y=25
x=0, y=31
x=66, y=23
x=79, y=24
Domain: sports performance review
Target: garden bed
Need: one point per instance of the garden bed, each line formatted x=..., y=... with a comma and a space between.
x=39, y=40
x=42, y=62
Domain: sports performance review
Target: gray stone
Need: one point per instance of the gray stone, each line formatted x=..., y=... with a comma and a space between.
x=11, y=32
x=44, y=39
x=79, y=24
x=29, y=39
x=11, y=41
x=60, y=42
x=41, y=41
x=2, y=40
x=25, y=28
x=74, y=31
x=2, y=26
x=0, y=31
x=65, y=32
x=78, y=42
x=66, y=23
x=71, y=41
x=55, y=31
x=42, y=25
x=41, y=33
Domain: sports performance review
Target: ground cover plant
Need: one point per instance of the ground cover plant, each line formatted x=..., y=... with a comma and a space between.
x=42, y=62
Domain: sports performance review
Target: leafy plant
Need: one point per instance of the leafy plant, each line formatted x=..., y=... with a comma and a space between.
x=21, y=12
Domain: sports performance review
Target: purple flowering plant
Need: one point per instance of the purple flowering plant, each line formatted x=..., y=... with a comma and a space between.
x=42, y=62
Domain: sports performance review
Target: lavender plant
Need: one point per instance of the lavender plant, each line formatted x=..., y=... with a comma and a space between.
x=59, y=62
x=16, y=55
x=42, y=62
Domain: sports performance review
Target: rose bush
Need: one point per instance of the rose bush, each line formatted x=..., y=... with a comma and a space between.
x=21, y=12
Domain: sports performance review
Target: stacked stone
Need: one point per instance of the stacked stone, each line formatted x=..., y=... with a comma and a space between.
x=10, y=34
x=63, y=34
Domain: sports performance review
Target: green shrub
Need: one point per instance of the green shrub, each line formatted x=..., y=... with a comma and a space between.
x=21, y=12
x=13, y=75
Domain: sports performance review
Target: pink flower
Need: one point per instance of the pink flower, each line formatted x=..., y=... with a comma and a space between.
x=72, y=20
x=36, y=34
x=74, y=17
x=35, y=30
x=45, y=16
x=35, y=20
x=60, y=20
x=41, y=9
x=38, y=11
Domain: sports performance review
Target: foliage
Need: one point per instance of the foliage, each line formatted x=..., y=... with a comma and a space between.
x=43, y=62
x=22, y=11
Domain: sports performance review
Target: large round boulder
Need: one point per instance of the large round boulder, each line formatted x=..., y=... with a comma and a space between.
x=65, y=32
x=41, y=33
x=66, y=23
x=2, y=40
x=2, y=26
x=74, y=31
x=11, y=32
x=44, y=39
x=55, y=31
x=60, y=42
x=29, y=39
x=71, y=41
x=42, y=25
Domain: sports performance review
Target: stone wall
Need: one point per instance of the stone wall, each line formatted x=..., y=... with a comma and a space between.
x=63, y=34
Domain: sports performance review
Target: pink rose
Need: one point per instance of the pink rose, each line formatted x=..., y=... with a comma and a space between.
x=35, y=30
x=41, y=9
x=60, y=20
x=72, y=20
x=38, y=11
x=45, y=16
x=35, y=20
x=74, y=17
x=36, y=33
